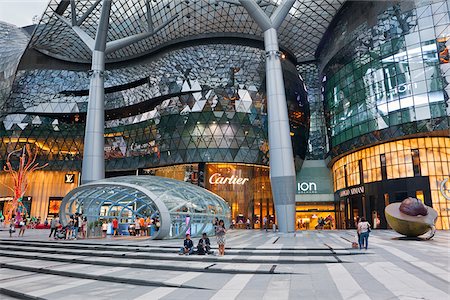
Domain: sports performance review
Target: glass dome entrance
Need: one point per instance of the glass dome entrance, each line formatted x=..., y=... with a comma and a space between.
x=179, y=207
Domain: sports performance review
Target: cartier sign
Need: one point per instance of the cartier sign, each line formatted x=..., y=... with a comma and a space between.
x=217, y=178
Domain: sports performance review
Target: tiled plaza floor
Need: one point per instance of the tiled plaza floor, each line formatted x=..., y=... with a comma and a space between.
x=257, y=265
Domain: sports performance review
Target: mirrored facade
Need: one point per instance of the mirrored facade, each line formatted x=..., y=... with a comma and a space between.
x=201, y=103
x=178, y=207
x=13, y=42
x=387, y=78
x=385, y=85
x=189, y=102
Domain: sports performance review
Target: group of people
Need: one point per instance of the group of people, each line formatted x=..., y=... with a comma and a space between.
x=76, y=227
x=140, y=227
x=21, y=221
x=240, y=224
x=204, y=244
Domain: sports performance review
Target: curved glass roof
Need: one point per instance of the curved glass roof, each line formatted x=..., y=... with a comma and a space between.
x=180, y=207
x=300, y=32
x=176, y=195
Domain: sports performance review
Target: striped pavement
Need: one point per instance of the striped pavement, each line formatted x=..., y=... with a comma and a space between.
x=257, y=265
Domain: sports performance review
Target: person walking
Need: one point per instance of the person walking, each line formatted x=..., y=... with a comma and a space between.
x=12, y=225
x=104, y=229
x=115, y=224
x=69, y=230
x=23, y=226
x=220, y=235
x=84, y=227
x=137, y=226
x=53, y=226
x=265, y=223
x=76, y=225
x=363, y=232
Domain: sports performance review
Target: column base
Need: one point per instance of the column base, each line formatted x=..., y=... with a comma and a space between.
x=285, y=217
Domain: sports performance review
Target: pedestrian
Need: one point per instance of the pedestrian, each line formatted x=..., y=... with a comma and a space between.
x=22, y=225
x=12, y=225
x=69, y=230
x=149, y=225
x=248, y=225
x=363, y=231
x=137, y=226
x=84, y=227
x=80, y=225
x=54, y=223
x=115, y=224
x=143, y=226
x=76, y=225
x=104, y=229
x=265, y=223
x=220, y=235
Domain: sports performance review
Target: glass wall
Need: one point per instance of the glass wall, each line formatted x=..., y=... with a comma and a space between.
x=427, y=157
x=386, y=77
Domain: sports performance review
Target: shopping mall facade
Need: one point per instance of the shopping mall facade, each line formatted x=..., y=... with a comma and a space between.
x=366, y=87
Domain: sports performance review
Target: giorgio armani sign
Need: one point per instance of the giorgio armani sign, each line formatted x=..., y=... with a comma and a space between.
x=352, y=191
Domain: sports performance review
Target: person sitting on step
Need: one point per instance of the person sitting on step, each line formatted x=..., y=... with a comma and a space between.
x=188, y=246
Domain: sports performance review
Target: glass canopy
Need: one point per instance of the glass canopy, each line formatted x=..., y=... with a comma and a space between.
x=178, y=206
x=300, y=33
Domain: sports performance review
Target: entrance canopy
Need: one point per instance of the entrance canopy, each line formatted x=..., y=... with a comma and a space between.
x=177, y=206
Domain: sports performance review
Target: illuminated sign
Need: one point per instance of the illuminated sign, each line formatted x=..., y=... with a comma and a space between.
x=217, y=178
x=352, y=191
x=307, y=187
x=69, y=178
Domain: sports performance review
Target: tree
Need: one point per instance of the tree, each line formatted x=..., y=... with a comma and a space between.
x=21, y=179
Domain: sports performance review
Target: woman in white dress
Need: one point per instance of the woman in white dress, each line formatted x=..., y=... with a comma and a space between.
x=220, y=235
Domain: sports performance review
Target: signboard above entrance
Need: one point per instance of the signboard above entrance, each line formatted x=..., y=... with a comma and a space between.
x=217, y=178
x=352, y=191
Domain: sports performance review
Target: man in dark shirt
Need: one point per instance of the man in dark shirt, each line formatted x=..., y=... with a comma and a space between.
x=205, y=244
x=188, y=247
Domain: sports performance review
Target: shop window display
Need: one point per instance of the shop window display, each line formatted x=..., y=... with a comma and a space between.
x=433, y=160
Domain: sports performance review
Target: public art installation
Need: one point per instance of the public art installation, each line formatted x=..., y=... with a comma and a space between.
x=411, y=217
x=21, y=179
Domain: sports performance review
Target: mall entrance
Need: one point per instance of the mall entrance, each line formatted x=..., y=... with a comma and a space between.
x=315, y=215
x=245, y=187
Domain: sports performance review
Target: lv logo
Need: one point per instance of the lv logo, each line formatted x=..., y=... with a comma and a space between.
x=69, y=178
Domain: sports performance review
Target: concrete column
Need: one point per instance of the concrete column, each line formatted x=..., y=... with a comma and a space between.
x=94, y=158
x=282, y=171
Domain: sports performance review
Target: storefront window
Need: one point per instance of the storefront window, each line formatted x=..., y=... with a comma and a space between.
x=315, y=216
x=247, y=190
x=400, y=159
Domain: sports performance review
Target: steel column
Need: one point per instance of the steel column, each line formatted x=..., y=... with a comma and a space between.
x=93, y=167
x=282, y=170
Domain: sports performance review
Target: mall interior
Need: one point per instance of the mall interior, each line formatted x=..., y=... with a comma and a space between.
x=366, y=84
